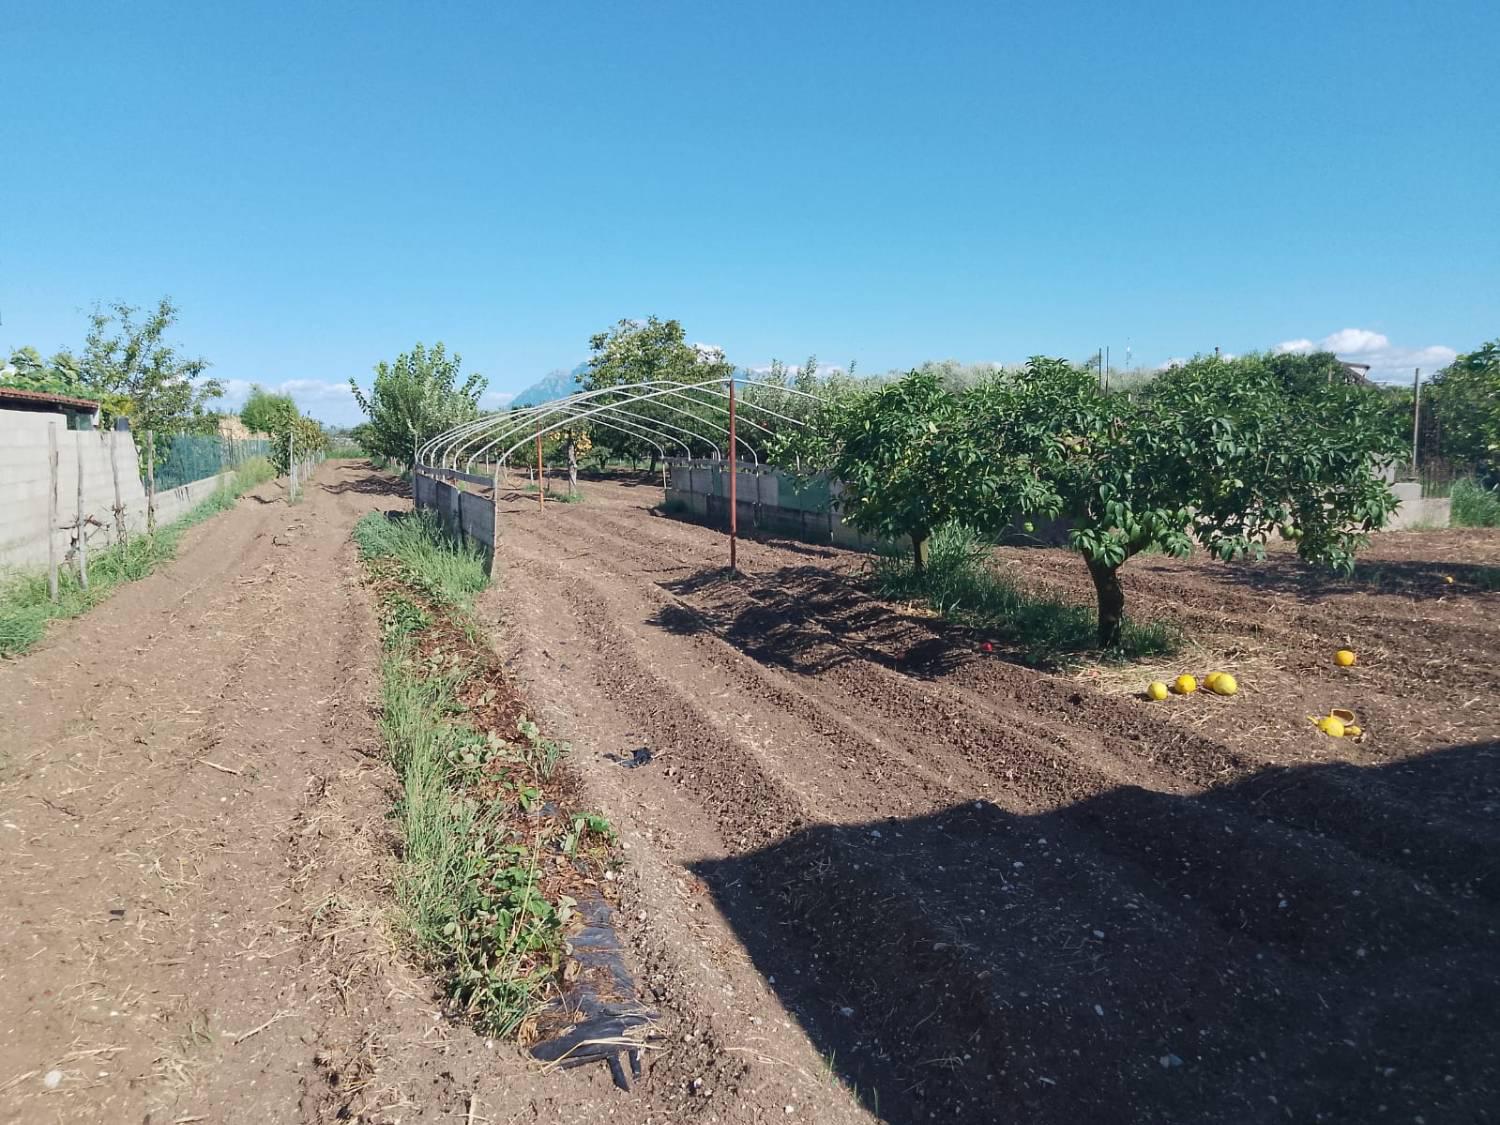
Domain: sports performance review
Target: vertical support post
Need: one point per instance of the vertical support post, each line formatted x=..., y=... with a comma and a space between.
x=540, y=503
x=291, y=466
x=83, y=529
x=1416, y=417
x=150, y=482
x=114, y=471
x=734, y=511
x=52, y=510
x=495, y=517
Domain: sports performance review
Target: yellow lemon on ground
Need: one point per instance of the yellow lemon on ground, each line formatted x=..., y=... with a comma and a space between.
x=1352, y=732
x=1208, y=680
x=1330, y=726
x=1343, y=658
x=1222, y=683
x=1156, y=690
x=1184, y=685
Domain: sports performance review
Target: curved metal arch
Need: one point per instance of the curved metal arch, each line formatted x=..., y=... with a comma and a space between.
x=619, y=425
x=450, y=442
x=456, y=441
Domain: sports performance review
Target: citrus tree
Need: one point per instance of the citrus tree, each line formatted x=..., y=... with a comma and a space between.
x=1225, y=453
x=1467, y=397
x=911, y=458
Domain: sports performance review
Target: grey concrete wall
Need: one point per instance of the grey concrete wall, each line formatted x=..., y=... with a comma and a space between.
x=24, y=480
x=1416, y=511
x=699, y=490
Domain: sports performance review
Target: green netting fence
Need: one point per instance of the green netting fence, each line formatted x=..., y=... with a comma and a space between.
x=185, y=458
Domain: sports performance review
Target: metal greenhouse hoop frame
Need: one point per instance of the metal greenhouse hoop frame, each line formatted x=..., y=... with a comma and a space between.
x=496, y=437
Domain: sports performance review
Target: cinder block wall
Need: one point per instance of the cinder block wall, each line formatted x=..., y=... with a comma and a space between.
x=25, y=477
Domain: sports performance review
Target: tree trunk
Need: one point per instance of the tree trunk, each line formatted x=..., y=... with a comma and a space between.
x=920, y=541
x=572, y=469
x=1111, y=602
x=653, y=463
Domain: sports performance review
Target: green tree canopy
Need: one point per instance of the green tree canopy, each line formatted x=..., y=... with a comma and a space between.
x=1222, y=452
x=267, y=413
x=416, y=398
x=632, y=353
x=1466, y=401
x=131, y=367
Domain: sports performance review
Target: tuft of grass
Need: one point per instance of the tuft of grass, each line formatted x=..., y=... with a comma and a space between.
x=960, y=583
x=1474, y=505
x=442, y=566
x=25, y=608
x=477, y=844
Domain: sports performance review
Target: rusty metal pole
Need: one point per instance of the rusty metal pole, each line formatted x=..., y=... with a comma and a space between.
x=540, y=503
x=734, y=511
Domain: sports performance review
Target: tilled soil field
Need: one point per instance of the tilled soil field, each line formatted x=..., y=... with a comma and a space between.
x=876, y=872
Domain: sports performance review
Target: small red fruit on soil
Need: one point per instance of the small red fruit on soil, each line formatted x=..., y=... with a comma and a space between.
x=987, y=647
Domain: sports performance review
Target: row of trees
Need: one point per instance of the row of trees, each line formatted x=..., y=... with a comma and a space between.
x=1224, y=453
x=292, y=434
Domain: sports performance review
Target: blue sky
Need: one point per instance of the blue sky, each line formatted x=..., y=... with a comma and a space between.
x=319, y=186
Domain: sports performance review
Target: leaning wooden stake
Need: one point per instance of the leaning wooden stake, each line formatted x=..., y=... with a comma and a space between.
x=150, y=483
x=114, y=471
x=52, y=511
x=83, y=529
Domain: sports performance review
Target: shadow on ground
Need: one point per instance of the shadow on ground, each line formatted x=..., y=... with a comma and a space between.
x=371, y=482
x=808, y=620
x=1415, y=578
x=1305, y=944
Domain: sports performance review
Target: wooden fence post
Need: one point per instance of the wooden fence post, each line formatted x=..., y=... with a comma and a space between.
x=114, y=471
x=52, y=511
x=291, y=466
x=83, y=528
x=150, y=482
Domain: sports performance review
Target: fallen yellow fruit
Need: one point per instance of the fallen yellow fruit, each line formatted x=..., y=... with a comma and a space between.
x=1156, y=690
x=1352, y=732
x=1222, y=683
x=1184, y=685
x=1331, y=727
x=1208, y=680
x=1343, y=658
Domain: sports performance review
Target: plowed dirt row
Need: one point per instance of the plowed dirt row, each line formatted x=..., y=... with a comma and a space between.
x=965, y=890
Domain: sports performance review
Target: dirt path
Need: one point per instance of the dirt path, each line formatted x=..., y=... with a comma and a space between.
x=160, y=757
x=873, y=875
x=882, y=875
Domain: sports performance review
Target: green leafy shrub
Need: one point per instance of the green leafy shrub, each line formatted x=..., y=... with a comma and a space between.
x=1474, y=505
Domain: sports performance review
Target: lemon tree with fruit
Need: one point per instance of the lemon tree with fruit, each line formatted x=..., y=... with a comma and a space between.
x=1222, y=453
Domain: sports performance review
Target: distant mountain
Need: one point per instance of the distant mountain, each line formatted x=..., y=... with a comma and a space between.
x=555, y=384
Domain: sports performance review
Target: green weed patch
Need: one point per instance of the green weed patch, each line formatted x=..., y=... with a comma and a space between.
x=26, y=608
x=489, y=850
x=961, y=584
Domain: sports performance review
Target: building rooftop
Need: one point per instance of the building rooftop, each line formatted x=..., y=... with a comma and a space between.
x=43, y=398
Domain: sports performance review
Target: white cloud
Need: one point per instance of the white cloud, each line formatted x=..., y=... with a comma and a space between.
x=495, y=400
x=1387, y=361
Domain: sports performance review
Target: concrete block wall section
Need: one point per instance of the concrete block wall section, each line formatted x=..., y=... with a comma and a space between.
x=25, y=484
x=24, y=487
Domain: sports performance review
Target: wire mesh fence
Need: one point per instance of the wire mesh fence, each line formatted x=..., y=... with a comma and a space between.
x=185, y=458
